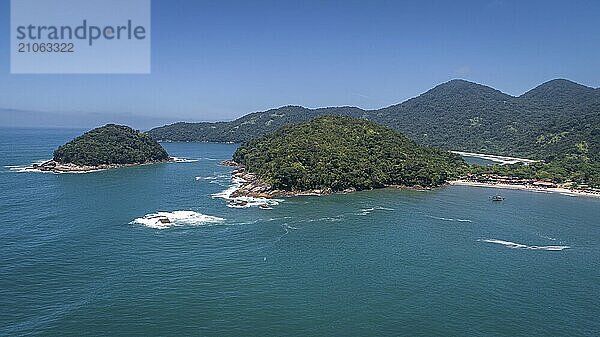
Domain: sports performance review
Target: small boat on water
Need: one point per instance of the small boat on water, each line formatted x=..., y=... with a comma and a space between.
x=497, y=198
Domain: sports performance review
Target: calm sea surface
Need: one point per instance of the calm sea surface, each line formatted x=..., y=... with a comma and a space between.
x=73, y=260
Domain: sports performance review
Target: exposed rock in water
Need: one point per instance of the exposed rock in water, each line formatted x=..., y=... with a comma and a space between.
x=56, y=167
x=250, y=185
x=230, y=163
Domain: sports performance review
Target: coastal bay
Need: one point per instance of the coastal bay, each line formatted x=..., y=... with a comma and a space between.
x=300, y=168
x=81, y=250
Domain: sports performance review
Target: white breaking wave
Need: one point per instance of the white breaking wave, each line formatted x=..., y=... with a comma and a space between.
x=367, y=211
x=184, y=160
x=30, y=169
x=247, y=202
x=27, y=168
x=449, y=219
x=212, y=178
x=243, y=202
x=164, y=220
x=287, y=226
x=514, y=245
x=226, y=194
x=328, y=219
x=282, y=218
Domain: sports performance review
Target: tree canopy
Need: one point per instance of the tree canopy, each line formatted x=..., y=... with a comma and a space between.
x=338, y=153
x=111, y=144
x=558, y=122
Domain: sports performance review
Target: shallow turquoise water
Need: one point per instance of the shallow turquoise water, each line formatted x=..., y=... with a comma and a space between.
x=373, y=263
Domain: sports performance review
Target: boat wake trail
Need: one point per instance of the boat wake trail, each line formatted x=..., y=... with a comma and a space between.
x=367, y=211
x=449, y=219
x=286, y=227
x=514, y=245
x=547, y=237
x=336, y=218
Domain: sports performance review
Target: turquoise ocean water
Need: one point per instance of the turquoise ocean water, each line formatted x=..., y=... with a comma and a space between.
x=73, y=260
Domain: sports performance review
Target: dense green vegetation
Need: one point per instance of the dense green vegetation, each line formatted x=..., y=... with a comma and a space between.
x=248, y=127
x=340, y=152
x=581, y=174
x=557, y=118
x=111, y=144
x=558, y=122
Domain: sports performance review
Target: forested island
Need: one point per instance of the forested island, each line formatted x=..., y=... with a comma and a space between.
x=557, y=123
x=334, y=154
x=110, y=146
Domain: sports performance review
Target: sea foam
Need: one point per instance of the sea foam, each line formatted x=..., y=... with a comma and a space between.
x=176, y=219
x=243, y=202
x=514, y=245
x=367, y=211
x=184, y=160
x=27, y=168
x=30, y=169
x=449, y=219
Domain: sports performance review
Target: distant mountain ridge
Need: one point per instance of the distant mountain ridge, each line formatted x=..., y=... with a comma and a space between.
x=559, y=118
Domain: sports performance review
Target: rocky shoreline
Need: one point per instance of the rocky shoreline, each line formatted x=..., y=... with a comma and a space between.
x=57, y=167
x=249, y=185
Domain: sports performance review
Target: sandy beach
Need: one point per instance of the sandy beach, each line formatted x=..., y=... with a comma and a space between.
x=502, y=160
x=560, y=190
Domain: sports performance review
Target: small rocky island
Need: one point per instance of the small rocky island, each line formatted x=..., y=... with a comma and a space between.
x=337, y=154
x=110, y=146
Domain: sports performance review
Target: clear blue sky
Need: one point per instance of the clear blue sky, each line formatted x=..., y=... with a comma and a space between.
x=217, y=60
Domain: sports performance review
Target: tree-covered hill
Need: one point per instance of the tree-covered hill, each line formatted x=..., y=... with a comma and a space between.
x=111, y=144
x=558, y=119
x=337, y=153
x=457, y=115
x=248, y=127
x=560, y=90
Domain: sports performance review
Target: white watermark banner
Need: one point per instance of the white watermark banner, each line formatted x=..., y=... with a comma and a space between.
x=80, y=36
